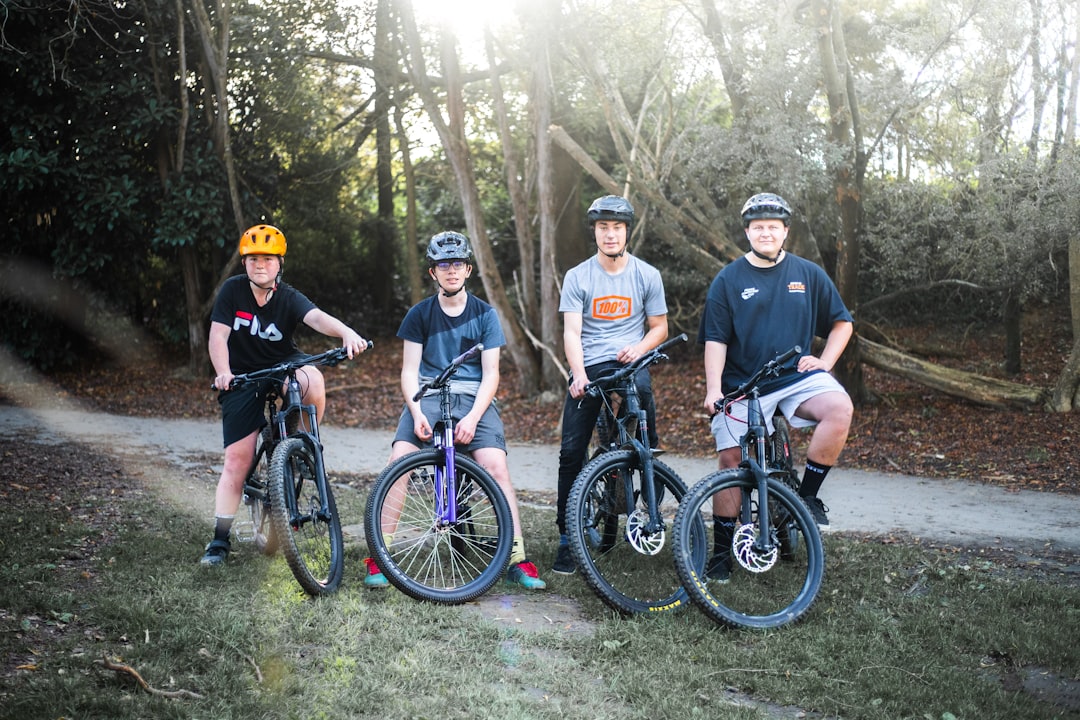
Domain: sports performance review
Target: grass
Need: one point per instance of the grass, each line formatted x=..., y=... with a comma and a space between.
x=899, y=631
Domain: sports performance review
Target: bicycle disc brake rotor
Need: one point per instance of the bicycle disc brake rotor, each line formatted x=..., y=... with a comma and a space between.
x=641, y=541
x=750, y=557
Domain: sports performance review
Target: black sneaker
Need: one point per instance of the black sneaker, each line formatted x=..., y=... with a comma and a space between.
x=564, y=562
x=818, y=510
x=718, y=569
x=216, y=552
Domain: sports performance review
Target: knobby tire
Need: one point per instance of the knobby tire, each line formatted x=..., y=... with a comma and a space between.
x=312, y=544
x=785, y=586
x=626, y=579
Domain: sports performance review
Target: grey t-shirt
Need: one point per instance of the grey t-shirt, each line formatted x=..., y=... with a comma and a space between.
x=614, y=308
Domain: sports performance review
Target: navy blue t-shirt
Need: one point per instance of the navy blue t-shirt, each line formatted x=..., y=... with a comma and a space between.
x=445, y=337
x=761, y=312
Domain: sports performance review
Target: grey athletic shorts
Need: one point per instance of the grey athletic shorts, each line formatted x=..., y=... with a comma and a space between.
x=729, y=430
x=489, y=431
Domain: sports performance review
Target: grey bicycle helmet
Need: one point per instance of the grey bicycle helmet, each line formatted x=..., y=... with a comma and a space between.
x=612, y=207
x=766, y=206
x=448, y=246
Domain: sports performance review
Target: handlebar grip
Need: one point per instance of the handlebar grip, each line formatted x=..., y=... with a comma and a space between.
x=471, y=352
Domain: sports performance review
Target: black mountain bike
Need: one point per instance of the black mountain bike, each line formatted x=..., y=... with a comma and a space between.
x=437, y=523
x=286, y=492
x=778, y=559
x=622, y=502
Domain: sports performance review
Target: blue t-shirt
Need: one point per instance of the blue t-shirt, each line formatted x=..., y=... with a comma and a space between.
x=761, y=312
x=445, y=337
x=261, y=336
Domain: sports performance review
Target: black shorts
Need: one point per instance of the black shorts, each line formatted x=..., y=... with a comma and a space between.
x=243, y=411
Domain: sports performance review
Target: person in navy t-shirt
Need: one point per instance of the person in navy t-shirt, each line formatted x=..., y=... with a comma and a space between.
x=757, y=307
x=434, y=332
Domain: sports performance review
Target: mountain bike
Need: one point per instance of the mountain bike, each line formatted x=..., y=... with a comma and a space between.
x=621, y=503
x=286, y=491
x=437, y=523
x=778, y=559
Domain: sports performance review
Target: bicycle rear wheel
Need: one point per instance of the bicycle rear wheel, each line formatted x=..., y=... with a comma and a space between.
x=763, y=592
x=629, y=568
x=257, y=497
x=782, y=466
x=311, y=540
x=430, y=558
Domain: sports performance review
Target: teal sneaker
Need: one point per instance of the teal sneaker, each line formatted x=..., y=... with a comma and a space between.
x=525, y=574
x=375, y=577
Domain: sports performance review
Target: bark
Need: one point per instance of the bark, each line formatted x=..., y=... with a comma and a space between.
x=385, y=240
x=410, y=249
x=979, y=389
x=846, y=133
x=528, y=298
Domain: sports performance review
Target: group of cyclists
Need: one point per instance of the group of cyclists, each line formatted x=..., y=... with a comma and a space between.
x=614, y=311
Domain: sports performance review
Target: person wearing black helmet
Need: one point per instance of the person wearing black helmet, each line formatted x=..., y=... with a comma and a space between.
x=434, y=332
x=757, y=307
x=252, y=324
x=614, y=311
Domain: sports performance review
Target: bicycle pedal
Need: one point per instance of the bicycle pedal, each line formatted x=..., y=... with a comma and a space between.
x=243, y=530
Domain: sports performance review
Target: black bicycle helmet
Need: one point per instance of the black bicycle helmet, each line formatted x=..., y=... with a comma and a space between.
x=612, y=207
x=449, y=246
x=765, y=206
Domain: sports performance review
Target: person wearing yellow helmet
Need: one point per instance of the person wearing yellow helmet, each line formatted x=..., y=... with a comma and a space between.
x=252, y=324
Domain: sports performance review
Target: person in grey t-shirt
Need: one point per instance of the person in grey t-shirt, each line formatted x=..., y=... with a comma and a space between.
x=614, y=311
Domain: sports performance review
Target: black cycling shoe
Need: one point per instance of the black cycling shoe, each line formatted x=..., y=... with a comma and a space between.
x=718, y=569
x=818, y=510
x=216, y=552
x=564, y=562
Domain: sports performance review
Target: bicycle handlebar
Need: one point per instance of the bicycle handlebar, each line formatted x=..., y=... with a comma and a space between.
x=607, y=382
x=449, y=370
x=330, y=358
x=772, y=367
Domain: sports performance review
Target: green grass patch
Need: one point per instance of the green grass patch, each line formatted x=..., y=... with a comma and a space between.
x=899, y=631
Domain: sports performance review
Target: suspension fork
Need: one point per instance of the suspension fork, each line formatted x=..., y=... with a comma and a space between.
x=446, y=473
x=644, y=453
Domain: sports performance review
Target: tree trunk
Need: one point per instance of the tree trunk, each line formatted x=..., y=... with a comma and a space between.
x=452, y=136
x=1013, y=312
x=969, y=386
x=385, y=241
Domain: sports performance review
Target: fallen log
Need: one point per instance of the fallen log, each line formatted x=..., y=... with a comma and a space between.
x=979, y=389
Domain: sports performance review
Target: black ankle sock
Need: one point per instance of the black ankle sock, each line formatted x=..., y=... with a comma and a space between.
x=222, y=525
x=812, y=478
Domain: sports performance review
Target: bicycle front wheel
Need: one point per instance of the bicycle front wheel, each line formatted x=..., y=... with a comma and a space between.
x=306, y=519
x=427, y=549
x=772, y=583
x=625, y=561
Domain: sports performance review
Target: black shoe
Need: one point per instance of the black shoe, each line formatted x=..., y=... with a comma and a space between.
x=564, y=562
x=818, y=510
x=216, y=552
x=718, y=569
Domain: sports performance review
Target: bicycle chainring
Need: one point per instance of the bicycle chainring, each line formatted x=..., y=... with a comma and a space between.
x=641, y=541
x=750, y=557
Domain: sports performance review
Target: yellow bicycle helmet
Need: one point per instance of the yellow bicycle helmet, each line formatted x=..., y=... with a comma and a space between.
x=262, y=240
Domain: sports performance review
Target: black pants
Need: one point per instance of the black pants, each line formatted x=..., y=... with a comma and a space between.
x=578, y=422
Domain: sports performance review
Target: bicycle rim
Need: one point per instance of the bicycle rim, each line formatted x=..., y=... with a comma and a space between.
x=435, y=560
x=770, y=585
x=310, y=540
x=631, y=570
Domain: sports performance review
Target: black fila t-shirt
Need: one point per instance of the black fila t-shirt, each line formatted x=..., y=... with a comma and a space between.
x=261, y=336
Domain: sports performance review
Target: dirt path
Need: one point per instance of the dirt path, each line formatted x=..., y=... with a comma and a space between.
x=956, y=512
